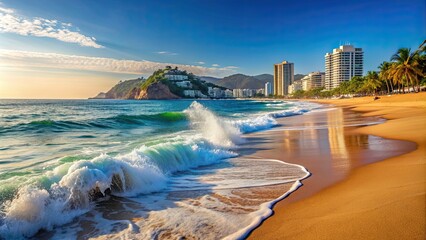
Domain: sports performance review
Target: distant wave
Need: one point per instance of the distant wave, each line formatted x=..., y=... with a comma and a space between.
x=164, y=117
x=119, y=121
x=268, y=120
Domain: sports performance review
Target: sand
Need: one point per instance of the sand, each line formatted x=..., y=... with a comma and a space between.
x=380, y=196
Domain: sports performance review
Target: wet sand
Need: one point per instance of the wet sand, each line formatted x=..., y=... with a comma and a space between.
x=353, y=193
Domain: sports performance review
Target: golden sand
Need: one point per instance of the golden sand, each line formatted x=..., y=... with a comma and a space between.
x=382, y=200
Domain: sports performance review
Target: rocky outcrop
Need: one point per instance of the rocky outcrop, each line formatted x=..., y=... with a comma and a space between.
x=123, y=88
x=155, y=91
x=101, y=95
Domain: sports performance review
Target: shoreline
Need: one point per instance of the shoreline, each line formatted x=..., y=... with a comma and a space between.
x=379, y=199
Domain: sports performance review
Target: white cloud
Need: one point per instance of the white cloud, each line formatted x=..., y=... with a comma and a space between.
x=6, y=10
x=231, y=67
x=41, y=27
x=215, y=65
x=25, y=60
x=166, y=53
x=201, y=63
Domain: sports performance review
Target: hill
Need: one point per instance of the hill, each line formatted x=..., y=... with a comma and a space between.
x=165, y=83
x=209, y=79
x=122, y=89
x=265, y=77
x=245, y=81
x=298, y=76
x=241, y=81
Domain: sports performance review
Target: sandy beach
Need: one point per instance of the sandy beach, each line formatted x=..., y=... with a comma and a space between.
x=368, y=180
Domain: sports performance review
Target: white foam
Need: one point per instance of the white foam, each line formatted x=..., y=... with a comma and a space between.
x=213, y=128
x=255, y=124
x=265, y=209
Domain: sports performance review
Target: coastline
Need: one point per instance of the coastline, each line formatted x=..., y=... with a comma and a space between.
x=380, y=199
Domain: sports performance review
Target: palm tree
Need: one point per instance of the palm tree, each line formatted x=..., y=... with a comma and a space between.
x=421, y=58
x=405, y=69
x=372, y=82
x=384, y=74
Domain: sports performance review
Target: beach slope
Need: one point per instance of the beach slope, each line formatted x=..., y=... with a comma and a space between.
x=383, y=200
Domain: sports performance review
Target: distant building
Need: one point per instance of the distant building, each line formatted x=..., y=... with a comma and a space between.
x=228, y=93
x=175, y=75
x=268, y=89
x=215, y=92
x=244, y=93
x=189, y=93
x=184, y=84
x=297, y=85
x=237, y=93
x=342, y=64
x=313, y=80
x=283, y=77
x=193, y=94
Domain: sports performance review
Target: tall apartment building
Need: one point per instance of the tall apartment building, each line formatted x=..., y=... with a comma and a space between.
x=313, y=80
x=283, y=77
x=268, y=89
x=342, y=64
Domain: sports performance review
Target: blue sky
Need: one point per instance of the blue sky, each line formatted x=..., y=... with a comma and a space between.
x=220, y=37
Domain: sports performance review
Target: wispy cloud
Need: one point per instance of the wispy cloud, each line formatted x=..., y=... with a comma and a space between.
x=6, y=10
x=166, y=53
x=200, y=63
x=231, y=67
x=26, y=59
x=215, y=65
x=10, y=22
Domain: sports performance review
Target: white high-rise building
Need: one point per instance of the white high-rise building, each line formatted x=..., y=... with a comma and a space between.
x=342, y=64
x=283, y=77
x=268, y=89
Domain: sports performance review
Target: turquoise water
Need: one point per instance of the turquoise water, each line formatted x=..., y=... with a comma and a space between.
x=59, y=157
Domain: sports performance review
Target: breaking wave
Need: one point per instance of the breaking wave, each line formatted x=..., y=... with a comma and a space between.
x=70, y=189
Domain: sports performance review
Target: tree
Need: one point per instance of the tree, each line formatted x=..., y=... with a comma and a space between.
x=384, y=75
x=405, y=69
x=355, y=85
x=298, y=94
x=371, y=82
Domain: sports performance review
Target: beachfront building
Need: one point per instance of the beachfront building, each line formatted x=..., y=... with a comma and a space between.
x=228, y=93
x=215, y=92
x=283, y=77
x=193, y=94
x=297, y=85
x=244, y=93
x=268, y=89
x=313, y=80
x=342, y=64
x=237, y=93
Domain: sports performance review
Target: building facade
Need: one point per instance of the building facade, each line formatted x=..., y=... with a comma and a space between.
x=283, y=77
x=297, y=85
x=313, y=80
x=342, y=64
x=268, y=89
x=244, y=93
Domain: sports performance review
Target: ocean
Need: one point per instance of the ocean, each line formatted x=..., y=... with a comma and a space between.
x=78, y=169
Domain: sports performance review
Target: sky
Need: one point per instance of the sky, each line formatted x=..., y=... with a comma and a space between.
x=75, y=49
